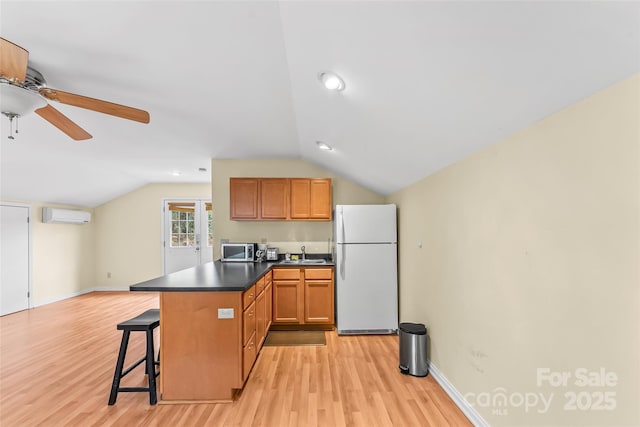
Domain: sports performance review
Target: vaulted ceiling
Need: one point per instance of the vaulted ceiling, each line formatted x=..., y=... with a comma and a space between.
x=427, y=84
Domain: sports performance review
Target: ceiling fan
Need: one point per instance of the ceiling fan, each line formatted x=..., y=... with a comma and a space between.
x=24, y=89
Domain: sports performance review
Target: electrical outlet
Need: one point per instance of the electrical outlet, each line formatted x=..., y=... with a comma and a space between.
x=108, y=275
x=225, y=313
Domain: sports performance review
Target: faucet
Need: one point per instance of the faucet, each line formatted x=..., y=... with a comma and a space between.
x=303, y=254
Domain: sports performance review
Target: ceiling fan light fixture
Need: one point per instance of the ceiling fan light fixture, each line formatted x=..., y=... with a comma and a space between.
x=324, y=146
x=18, y=101
x=331, y=81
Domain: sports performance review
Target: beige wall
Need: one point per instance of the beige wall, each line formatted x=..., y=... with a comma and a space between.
x=530, y=260
x=284, y=234
x=62, y=256
x=129, y=233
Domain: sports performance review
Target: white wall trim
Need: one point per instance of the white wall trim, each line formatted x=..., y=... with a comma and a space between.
x=468, y=410
x=60, y=298
x=82, y=292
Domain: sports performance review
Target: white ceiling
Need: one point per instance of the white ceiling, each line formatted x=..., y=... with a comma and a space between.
x=428, y=83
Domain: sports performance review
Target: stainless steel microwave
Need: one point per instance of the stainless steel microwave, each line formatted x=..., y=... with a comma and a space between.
x=238, y=252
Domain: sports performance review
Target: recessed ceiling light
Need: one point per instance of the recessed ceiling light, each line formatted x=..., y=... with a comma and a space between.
x=324, y=146
x=331, y=80
x=176, y=173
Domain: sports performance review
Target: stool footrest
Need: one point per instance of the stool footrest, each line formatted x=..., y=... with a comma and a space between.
x=132, y=389
x=132, y=367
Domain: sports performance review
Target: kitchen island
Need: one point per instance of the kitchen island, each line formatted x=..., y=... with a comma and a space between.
x=213, y=321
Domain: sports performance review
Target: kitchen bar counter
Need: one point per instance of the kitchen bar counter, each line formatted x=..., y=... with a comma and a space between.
x=214, y=277
x=213, y=321
x=210, y=277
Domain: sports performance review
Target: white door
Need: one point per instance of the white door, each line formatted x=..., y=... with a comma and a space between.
x=188, y=234
x=14, y=258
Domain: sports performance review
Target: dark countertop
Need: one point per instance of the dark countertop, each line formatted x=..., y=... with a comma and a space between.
x=214, y=277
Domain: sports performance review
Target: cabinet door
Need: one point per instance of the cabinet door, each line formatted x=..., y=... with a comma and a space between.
x=260, y=320
x=244, y=198
x=248, y=357
x=300, y=198
x=311, y=198
x=318, y=301
x=274, y=194
x=320, y=199
x=249, y=323
x=268, y=298
x=286, y=297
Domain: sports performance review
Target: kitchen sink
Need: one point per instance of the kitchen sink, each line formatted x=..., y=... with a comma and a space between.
x=304, y=261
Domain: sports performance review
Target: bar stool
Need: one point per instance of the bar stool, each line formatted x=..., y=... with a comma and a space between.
x=145, y=322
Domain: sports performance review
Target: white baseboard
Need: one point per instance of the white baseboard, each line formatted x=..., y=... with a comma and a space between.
x=468, y=410
x=82, y=292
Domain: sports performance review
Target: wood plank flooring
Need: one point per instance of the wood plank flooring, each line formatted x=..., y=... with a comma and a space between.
x=57, y=362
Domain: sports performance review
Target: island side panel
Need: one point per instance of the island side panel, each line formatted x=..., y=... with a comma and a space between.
x=200, y=354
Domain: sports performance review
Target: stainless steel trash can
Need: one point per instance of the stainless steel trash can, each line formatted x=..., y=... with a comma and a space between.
x=413, y=349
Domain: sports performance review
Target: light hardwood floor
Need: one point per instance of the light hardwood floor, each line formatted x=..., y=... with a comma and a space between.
x=57, y=362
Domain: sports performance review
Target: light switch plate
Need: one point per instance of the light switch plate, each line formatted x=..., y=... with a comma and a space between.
x=225, y=313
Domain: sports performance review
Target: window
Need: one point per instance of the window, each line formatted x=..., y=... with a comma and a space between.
x=182, y=224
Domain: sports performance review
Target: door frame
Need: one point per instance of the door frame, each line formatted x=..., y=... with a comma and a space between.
x=163, y=203
x=30, y=245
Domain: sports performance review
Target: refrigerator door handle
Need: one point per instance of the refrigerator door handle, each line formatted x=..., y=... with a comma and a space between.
x=342, y=246
x=342, y=232
x=342, y=259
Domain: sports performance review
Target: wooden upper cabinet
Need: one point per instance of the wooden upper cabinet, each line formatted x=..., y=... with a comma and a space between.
x=244, y=198
x=320, y=199
x=311, y=198
x=300, y=198
x=275, y=198
x=280, y=199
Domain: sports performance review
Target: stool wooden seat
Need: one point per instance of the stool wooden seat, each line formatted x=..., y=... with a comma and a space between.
x=145, y=322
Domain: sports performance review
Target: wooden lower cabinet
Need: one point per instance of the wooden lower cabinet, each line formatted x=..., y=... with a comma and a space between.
x=261, y=319
x=303, y=296
x=287, y=295
x=318, y=301
x=201, y=353
x=269, y=307
x=249, y=354
x=209, y=341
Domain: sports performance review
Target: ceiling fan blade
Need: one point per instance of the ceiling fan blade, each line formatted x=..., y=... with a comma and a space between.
x=63, y=123
x=96, y=105
x=13, y=61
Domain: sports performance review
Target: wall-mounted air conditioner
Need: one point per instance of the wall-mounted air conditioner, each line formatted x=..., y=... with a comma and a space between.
x=65, y=216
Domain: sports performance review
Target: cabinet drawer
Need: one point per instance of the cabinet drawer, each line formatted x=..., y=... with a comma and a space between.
x=260, y=283
x=268, y=279
x=318, y=273
x=286, y=274
x=248, y=356
x=248, y=296
x=248, y=322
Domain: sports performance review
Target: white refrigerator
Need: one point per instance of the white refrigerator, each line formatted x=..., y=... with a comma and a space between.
x=366, y=269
